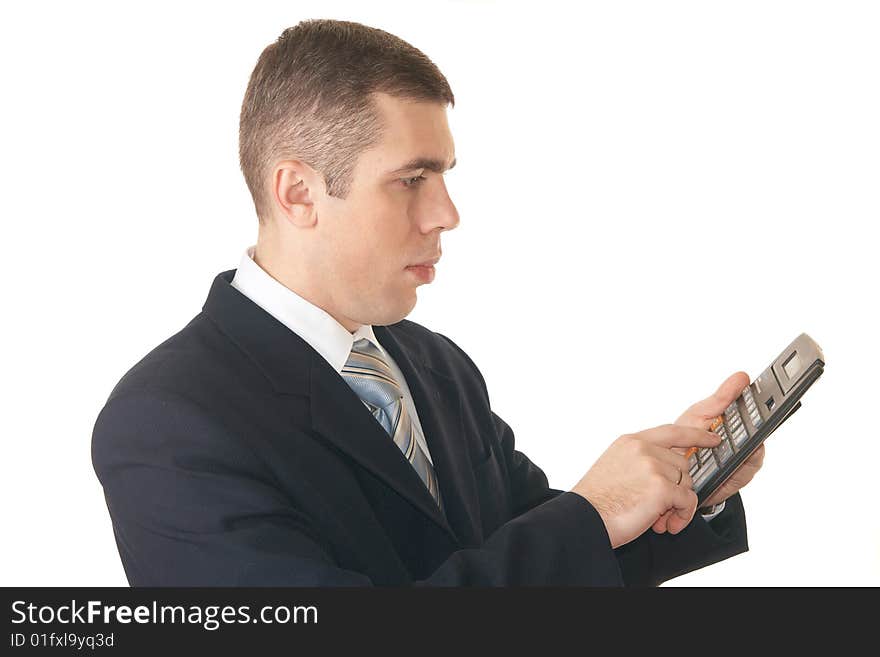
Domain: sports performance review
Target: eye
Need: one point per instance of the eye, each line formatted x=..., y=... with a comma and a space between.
x=412, y=182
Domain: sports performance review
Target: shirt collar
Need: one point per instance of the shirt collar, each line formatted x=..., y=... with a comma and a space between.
x=313, y=324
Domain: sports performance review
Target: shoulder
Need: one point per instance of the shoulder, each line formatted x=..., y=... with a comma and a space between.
x=181, y=400
x=191, y=362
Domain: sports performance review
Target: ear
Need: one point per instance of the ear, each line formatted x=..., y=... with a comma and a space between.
x=294, y=187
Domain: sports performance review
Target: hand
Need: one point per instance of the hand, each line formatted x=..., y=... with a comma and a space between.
x=700, y=416
x=639, y=478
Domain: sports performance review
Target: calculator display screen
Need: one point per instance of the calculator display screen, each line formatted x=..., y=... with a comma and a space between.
x=792, y=366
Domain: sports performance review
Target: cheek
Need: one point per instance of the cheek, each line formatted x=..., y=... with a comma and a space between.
x=367, y=263
x=372, y=250
x=381, y=250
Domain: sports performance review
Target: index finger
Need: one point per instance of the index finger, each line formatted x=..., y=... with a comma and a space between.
x=676, y=435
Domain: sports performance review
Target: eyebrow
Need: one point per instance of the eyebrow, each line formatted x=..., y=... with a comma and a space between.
x=429, y=163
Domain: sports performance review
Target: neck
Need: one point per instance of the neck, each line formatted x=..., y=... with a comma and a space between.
x=290, y=268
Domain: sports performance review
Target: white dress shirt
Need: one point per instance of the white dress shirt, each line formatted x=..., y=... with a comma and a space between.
x=317, y=327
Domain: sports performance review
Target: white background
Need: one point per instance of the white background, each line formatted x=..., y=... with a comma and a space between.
x=653, y=195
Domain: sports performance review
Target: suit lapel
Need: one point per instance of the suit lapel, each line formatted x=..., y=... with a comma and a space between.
x=438, y=404
x=338, y=415
x=341, y=418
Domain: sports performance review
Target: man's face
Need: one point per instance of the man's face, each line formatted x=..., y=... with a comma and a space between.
x=390, y=219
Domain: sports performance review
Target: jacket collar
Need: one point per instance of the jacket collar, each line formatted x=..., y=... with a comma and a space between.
x=293, y=367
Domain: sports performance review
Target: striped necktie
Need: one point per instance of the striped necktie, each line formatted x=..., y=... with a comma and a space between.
x=372, y=380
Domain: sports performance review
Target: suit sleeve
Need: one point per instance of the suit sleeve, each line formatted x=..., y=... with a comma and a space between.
x=192, y=506
x=648, y=560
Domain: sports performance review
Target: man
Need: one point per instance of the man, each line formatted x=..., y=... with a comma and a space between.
x=300, y=431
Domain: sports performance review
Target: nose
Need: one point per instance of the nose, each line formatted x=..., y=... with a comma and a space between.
x=443, y=213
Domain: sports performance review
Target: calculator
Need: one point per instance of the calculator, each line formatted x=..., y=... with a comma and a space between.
x=763, y=405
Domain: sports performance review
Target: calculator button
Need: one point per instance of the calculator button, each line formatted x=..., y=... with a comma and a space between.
x=707, y=471
x=723, y=452
x=740, y=437
x=733, y=444
x=705, y=455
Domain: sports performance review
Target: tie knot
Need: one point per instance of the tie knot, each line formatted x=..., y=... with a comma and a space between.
x=367, y=372
x=365, y=353
x=364, y=346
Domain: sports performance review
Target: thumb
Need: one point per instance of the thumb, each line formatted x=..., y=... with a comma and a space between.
x=716, y=403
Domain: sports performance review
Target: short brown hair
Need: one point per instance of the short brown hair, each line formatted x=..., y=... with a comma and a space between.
x=309, y=98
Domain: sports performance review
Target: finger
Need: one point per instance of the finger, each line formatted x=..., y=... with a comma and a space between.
x=756, y=460
x=674, y=435
x=718, y=401
x=660, y=525
x=676, y=475
x=670, y=455
x=672, y=466
x=746, y=472
x=685, y=505
x=699, y=422
x=740, y=477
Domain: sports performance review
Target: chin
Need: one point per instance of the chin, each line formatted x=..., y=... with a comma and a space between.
x=389, y=309
x=399, y=313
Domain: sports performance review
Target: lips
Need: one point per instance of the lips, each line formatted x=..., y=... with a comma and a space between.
x=426, y=263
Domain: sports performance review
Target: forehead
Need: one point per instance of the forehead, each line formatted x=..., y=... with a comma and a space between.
x=411, y=129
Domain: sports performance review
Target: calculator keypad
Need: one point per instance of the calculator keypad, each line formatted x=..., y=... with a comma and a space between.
x=724, y=451
x=752, y=408
x=706, y=470
x=735, y=426
x=704, y=462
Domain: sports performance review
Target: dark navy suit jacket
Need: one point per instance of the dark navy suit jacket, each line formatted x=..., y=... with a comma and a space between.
x=234, y=454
